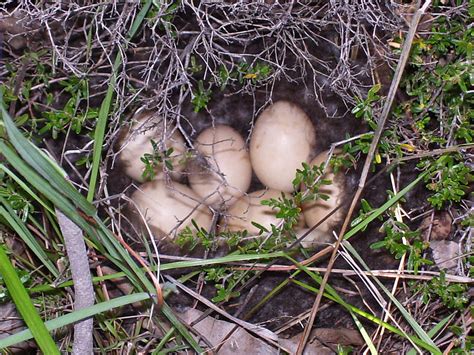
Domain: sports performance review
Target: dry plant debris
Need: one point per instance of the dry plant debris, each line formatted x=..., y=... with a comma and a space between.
x=72, y=76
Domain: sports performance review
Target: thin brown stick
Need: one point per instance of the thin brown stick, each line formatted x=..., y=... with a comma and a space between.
x=381, y=124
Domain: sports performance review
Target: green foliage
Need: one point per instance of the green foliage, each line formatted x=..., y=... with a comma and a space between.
x=15, y=197
x=155, y=161
x=468, y=221
x=225, y=282
x=201, y=97
x=287, y=209
x=438, y=111
x=240, y=73
x=342, y=161
x=255, y=73
x=75, y=114
x=395, y=233
x=163, y=12
x=452, y=295
x=59, y=121
x=364, y=107
x=191, y=237
x=310, y=177
x=195, y=67
x=449, y=180
x=440, y=102
x=344, y=350
x=365, y=211
x=464, y=344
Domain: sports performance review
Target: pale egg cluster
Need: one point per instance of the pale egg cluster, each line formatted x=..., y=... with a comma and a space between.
x=219, y=173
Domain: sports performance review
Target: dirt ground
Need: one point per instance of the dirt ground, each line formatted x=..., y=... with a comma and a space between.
x=322, y=55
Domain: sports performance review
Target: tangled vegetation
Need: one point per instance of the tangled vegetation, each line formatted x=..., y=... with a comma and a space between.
x=73, y=74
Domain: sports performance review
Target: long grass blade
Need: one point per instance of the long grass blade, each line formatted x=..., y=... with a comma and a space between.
x=408, y=317
x=18, y=226
x=26, y=188
x=379, y=211
x=38, y=161
x=25, y=306
x=99, y=132
x=365, y=335
x=368, y=316
x=333, y=293
x=76, y=316
x=168, y=313
x=168, y=266
x=104, y=111
x=43, y=186
x=107, y=243
x=435, y=330
x=103, y=240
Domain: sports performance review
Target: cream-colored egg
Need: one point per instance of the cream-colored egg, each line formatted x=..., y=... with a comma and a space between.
x=283, y=138
x=137, y=142
x=223, y=173
x=248, y=209
x=315, y=211
x=170, y=207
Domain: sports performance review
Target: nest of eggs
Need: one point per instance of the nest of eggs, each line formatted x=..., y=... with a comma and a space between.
x=208, y=186
x=245, y=145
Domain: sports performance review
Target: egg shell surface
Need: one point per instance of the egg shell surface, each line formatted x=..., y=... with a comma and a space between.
x=226, y=173
x=165, y=205
x=282, y=139
x=248, y=209
x=316, y=210
x=137, y=142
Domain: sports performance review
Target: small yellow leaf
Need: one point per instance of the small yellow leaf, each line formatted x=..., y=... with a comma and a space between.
x=250, y=76
x=378, y=158
x=408, y=147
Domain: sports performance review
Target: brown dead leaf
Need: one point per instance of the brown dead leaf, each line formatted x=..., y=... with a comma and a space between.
x=11, y=323
x=441, y=228
x=227, y=338
x=444, y=254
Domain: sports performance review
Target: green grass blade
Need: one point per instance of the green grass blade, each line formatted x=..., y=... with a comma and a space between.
x=43, y=186
x=137, y=22
x=25, y=306
x=365, y=335
x=134, y=272
x=107, y=244
x=379, y=211
x=104, y=111
x=168, y=266
x=333, y=293
x=38, y=161
x=368, y=316
x=19, y=227
x=26, y=188
x=76, y=316
x=433, y=331
x=99, y=132
x=222, y=260
x=168, y=313
x=408, y=317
